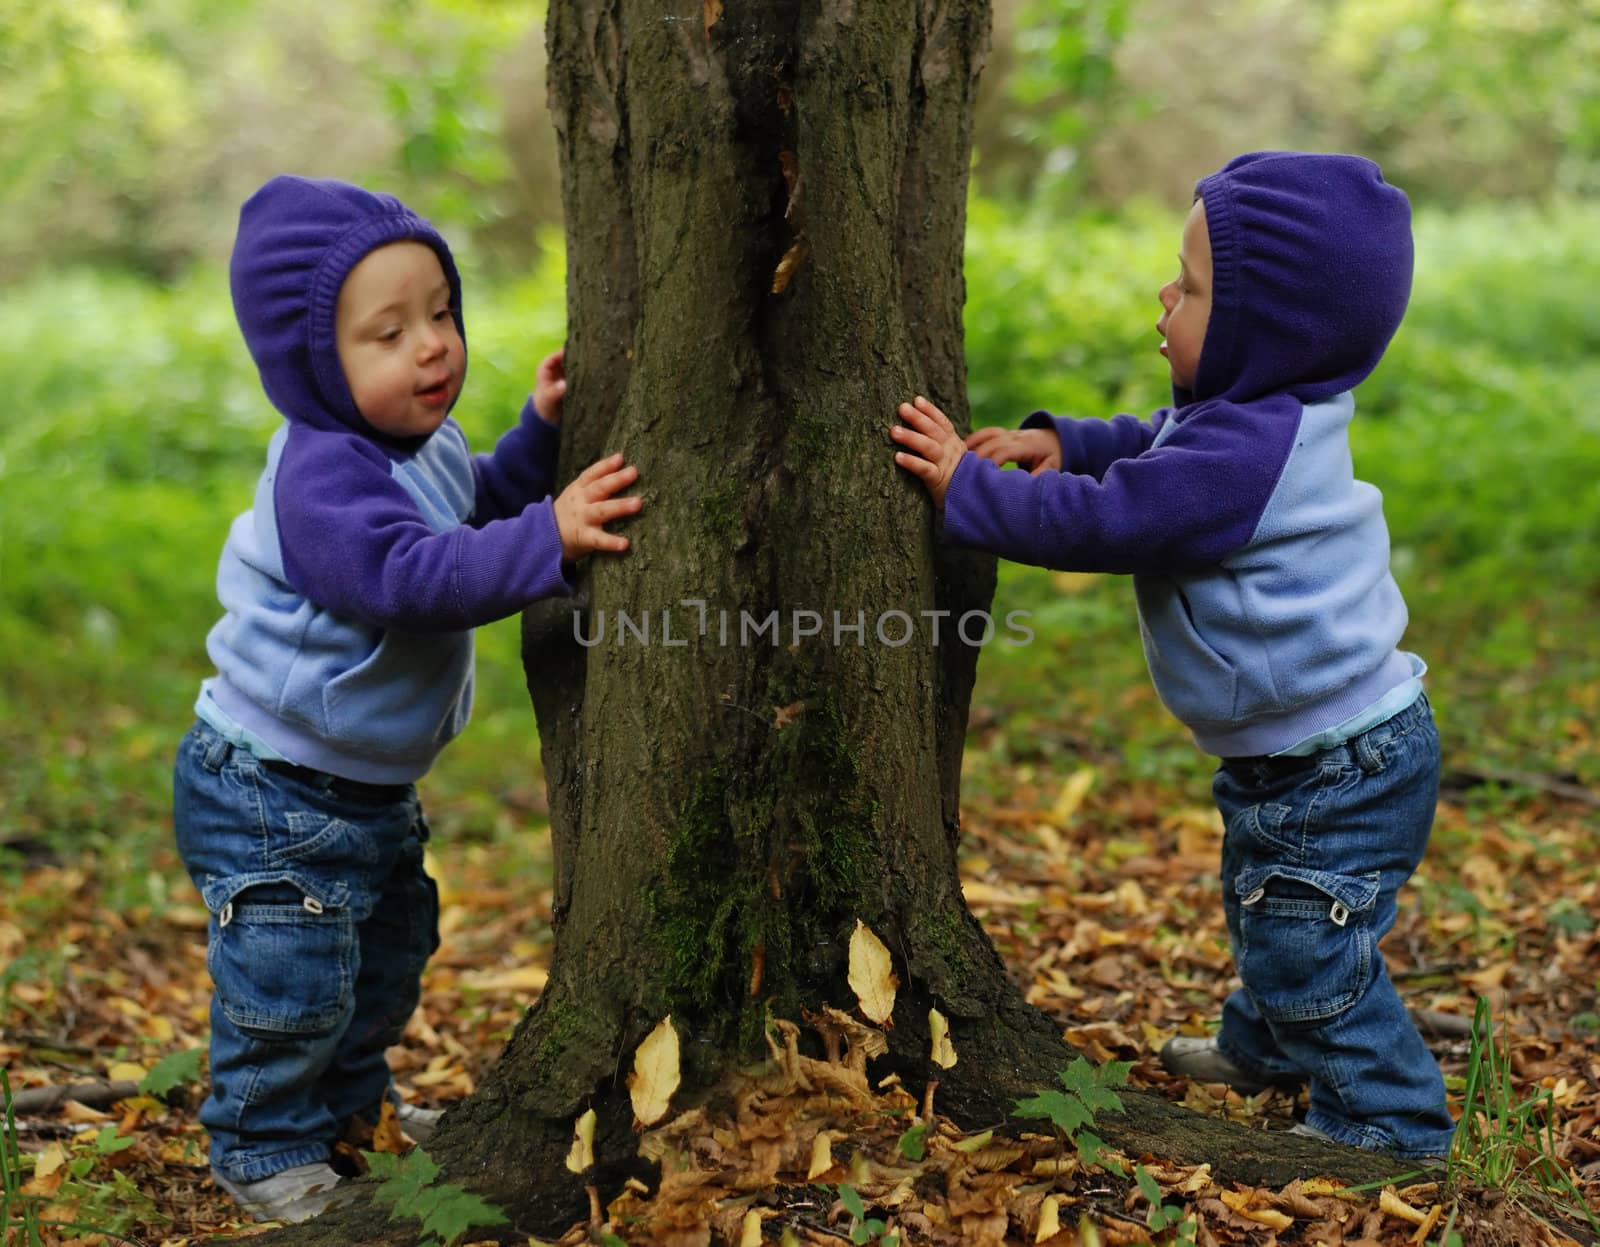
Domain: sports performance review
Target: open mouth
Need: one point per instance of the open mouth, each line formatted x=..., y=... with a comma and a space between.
x=434, y=395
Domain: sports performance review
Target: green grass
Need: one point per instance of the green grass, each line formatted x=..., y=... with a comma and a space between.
x=1507, y=1141
x=136, y=429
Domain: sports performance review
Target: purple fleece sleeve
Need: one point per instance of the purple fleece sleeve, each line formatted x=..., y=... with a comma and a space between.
x=1092, y=446
x=1184, y=504
x=521, y=468
x=354, y=542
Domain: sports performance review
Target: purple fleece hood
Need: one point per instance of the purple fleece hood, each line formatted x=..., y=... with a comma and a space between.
x=1311, y=272
x=298, y=240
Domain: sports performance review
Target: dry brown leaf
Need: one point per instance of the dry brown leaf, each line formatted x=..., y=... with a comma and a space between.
x=783, y=716
x=82, y=1114
x=792, y=259
x=713, y=13
x=1241, y=1202
x=387, y=1135
x=1435, y=1215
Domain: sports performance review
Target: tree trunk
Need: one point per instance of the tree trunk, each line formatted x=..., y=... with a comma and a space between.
x=765, y=208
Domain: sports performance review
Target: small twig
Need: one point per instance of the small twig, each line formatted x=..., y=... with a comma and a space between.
x=48, y=1130
x=36, y=1041
x=1441, y=1025
x=1479, y=774
x=98, y=1094
x=1443, y=969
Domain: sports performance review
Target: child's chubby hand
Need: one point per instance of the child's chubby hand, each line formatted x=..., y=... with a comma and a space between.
x=550, y=386
x=931, y=447
x=1037, y=450
x=586, y=506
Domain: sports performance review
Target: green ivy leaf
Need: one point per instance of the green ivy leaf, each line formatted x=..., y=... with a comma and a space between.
x=402, y=1181
x=173, y=1070
x=456, y=1211
x=914, y=1142
x=109, y=1141
x=1148, y=1187
x=1066, y=1111
x=1091, y=1150
x=446, y=1211
x=1092, y=1083
x=851, y=1201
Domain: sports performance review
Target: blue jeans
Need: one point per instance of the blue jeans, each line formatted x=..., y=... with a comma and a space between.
x=322, y=918
x=1314, y=851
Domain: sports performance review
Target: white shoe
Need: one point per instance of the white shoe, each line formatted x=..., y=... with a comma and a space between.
x=1200, y=1059
x=419, y=1122
x=294, y=1195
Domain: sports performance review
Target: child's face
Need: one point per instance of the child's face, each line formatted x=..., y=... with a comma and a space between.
x=402, y=355
x=1186, y=301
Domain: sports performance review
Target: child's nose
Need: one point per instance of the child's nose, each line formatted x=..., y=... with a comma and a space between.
x=431, y=343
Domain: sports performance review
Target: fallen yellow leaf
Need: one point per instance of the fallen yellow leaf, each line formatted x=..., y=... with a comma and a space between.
x=1240, y=1202
x=1071, y=795
x=872, y=976
x=655, y=1073
x=523, y=978
x=581, y=1156
x=821, y=1156
x=1435, y=1215
x=49, y=1160
x=1394, y=1206
x=944, y=1052
x=1049, y=1219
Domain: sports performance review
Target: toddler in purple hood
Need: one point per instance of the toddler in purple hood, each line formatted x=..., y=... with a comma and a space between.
x=1269, y=617
x=376, y=543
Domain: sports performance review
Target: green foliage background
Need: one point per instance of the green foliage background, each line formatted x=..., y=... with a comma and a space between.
x=131, y=129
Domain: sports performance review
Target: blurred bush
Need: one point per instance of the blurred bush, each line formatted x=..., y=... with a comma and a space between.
x=1103, y=100
x=131, y=130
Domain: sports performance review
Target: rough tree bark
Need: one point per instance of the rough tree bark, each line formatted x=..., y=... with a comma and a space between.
x=765, y=206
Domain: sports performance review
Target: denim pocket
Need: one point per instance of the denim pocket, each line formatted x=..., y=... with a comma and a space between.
x=314, y=837
x=282, y=955
x=1306, y=945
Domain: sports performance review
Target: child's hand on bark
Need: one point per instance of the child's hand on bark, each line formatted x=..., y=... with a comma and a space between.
x=550, y=386
x=1037, y=450
x=931, y=447
x=588, y=504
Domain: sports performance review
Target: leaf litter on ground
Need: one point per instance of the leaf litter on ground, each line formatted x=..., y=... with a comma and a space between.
x=1101, y=895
